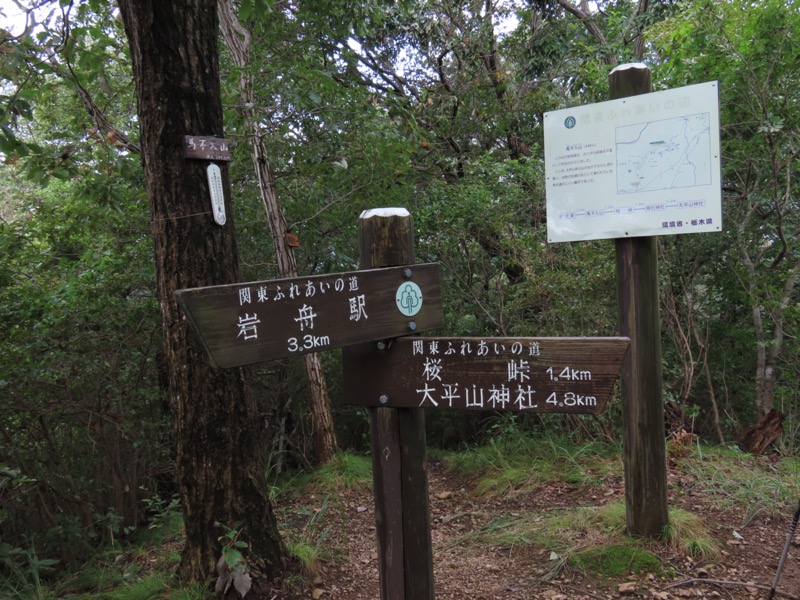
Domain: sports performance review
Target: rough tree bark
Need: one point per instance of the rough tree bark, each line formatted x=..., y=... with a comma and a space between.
x=237, y=39
x=218, y=442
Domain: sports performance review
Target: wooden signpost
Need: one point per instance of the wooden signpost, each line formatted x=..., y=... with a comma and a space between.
x=367, y=313
x=553, y=375
x=644, y=446
x=253, y=322
x=640, y=165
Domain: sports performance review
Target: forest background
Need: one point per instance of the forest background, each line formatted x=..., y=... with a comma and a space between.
x=433, y=106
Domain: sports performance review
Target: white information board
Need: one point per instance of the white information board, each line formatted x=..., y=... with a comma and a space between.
x=638, y=166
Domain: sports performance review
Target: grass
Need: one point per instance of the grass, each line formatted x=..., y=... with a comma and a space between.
x=687, y=532
x=114, y=582
x=616, y=561
x=307, y=533
x=732, y=479
x=347, y=472
x=515, y=463
x=307, y=530
x=592, y=539
x=143, y=567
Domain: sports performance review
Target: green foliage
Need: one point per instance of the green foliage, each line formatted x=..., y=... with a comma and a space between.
x=161, y=512
x=750, y=48
x=22, y=573
x=141, y=567
x=78, y=364
x=153, y=586
x=158, y=586
x=232, y=565
x=84, y=421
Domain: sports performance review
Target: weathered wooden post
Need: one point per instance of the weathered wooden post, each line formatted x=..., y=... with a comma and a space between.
x=402, y=512
x=643, y=410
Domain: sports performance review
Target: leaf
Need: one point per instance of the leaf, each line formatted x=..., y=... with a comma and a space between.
x=233, y=558
x=770, y=128
x=242, y=582
x=223, y=584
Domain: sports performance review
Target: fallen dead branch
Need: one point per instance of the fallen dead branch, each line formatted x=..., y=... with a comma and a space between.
x=723, y=583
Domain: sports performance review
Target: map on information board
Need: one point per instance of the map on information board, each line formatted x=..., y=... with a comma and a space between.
x=665, y=154
x=638, y=166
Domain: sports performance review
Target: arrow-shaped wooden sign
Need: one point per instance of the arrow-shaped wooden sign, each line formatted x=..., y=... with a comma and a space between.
x=558, y=375
x=253, y=322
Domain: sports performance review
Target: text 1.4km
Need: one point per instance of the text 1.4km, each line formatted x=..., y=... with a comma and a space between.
x=569, y=374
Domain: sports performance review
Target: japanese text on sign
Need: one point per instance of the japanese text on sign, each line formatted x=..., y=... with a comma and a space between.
x=304, y=339
x=514, y=390
x=640, y=165
x=574, y=375
x=244, y=323
x=206, y=148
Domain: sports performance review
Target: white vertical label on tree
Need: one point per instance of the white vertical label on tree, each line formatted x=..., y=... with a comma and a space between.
x=217, y=195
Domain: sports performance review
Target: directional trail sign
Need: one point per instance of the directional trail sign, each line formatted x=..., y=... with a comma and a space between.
x=253, y=322
x=555, y=375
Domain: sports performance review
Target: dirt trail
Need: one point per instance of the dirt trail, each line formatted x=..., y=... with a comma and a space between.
x=464, y=570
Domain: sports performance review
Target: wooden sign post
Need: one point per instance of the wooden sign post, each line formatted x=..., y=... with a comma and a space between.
x=644, y=446
x=399, y=469
x=397, y=378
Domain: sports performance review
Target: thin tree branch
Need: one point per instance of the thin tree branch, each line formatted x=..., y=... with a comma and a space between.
x=724, y=583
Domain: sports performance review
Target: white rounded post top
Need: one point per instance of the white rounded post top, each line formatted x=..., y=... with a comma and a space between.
x=384, y=212
x=626, y=66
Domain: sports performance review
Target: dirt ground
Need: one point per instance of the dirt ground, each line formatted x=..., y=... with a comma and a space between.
x=744, y=568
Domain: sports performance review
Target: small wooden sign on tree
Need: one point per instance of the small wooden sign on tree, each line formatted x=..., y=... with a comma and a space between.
x=206, y=148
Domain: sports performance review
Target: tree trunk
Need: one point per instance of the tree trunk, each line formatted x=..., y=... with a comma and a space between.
x=238, y=41
x=768, y=352
x=219, y=451
x=757, y=438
